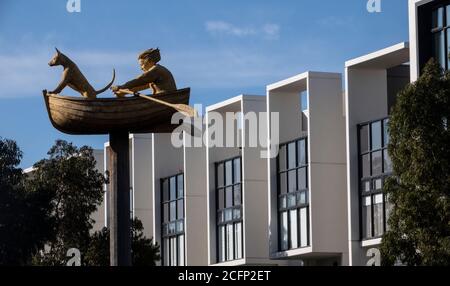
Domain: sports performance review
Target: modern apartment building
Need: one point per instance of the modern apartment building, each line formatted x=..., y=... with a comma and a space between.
x=238, y=229
x=317, y=199
x=167, y=197
x=372, y=84
x=429, y=34
x=307, y=183
x=180, y=199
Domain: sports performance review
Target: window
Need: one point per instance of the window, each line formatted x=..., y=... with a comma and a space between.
x=229, y=210
x=172, y=205
x=440, y=32
x=304, y=100
x=375, y=166
x=293, y=205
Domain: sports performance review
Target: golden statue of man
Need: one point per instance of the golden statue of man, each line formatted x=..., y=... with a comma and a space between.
x=155, y=76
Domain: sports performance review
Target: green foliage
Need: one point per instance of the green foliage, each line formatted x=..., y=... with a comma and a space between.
x=10, y=157
x=98, y=251
x=25, y=220
x=419, y=225
x=144, y=252
x=44, y=214
x=76, y=188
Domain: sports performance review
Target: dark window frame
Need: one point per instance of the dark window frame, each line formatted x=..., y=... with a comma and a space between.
x=445, y=29
x=280, y=196
x=177, y=220
x=225, y=223
x=372, y=178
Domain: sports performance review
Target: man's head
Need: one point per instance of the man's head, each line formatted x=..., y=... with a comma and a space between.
x=149, y=58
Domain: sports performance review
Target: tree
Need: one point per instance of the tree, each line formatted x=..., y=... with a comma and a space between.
x=419, y=224
x=144, y=252
x=76, y=188
x=25, y=220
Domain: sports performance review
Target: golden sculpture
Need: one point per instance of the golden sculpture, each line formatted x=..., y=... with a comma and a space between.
x=155, y=76
x=73, y=77
x=137, y=114
x=118, y=117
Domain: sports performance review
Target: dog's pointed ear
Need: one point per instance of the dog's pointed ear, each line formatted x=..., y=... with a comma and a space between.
x=57, y=50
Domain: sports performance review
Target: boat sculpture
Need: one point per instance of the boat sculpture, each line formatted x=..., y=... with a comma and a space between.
x=85, y=116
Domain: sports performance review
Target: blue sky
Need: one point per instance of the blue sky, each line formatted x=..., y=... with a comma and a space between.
x=219, y=48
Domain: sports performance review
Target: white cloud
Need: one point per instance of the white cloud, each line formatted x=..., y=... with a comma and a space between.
x=25, y=74
x=225, y=68
x=333, y=22
x=268, y=31
x=271, y=30
x=217, y=27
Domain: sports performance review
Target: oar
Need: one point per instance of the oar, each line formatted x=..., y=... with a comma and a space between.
x=184, y=109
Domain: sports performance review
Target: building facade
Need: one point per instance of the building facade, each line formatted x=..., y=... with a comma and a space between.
x=180, y=200
x=429, y=34
x=307, y=183
x=315, y=197
x=237, y=183
x=372, y=84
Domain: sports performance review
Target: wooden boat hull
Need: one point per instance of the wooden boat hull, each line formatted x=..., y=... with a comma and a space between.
x=81, y=116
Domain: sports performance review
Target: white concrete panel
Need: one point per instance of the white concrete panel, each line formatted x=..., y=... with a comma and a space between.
x=367, y=85
x=99, y=215
x=325, y=129
x=195, y=206
x=326, y=137
x=254, y=183
x=142, y=180
x=167, y=161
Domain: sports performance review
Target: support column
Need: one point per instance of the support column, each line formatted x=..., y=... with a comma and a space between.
x=119, y=211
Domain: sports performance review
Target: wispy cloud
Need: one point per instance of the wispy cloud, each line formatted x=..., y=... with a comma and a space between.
x=24, y=74
x=268, y=31
x=333, y=22
x=271, y=30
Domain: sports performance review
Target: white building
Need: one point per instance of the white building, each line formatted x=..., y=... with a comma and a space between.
x=238, y=229
x=99, y=215
x=167, y=197
x=372, y=84
x=319, y=201
x=180, y=203
x=307, y=183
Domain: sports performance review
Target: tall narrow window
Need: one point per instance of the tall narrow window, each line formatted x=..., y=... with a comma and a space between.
x=304, y=100
x=374, y=165
x=229, y=210
x=293, y=206
x=172, y=205
x=440, y=31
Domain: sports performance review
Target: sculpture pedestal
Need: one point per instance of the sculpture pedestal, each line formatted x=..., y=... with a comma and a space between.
x=120, y=218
